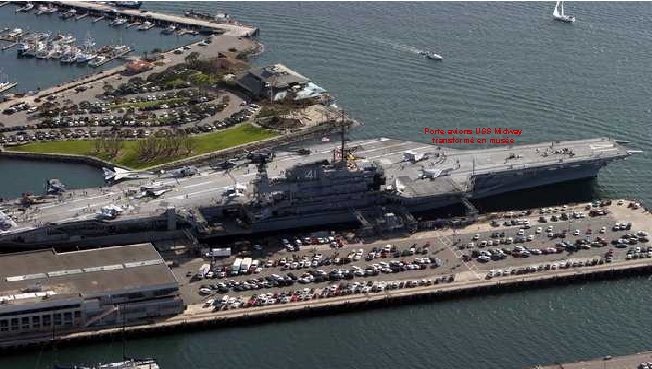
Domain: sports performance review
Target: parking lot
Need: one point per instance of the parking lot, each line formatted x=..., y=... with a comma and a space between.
x=22, y=122
x=433, y=257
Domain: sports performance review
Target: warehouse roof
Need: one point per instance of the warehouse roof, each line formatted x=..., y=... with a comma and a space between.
x=81, y=273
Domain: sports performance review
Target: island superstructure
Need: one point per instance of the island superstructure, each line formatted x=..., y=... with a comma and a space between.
x=375, y=182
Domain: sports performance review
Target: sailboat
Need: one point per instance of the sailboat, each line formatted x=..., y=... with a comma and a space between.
x=125, y=363
x=5, y=84
x=558, y=13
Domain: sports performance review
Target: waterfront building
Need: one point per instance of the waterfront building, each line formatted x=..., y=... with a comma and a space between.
x=46, y=291
x=277, y=82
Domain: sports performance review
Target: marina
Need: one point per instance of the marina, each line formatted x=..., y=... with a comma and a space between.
x=62, y=47
x=122, y=15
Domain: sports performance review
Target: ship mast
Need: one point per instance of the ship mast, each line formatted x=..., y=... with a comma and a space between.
x=343, y=128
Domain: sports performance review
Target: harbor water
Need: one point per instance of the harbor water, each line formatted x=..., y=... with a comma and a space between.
x=506, y=65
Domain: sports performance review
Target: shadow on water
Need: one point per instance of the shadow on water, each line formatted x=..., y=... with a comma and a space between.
x=582, y=190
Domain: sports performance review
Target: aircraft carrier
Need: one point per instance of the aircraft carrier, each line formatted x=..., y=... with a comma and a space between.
x=377, y=184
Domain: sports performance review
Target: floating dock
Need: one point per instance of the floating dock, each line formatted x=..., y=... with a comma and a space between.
x=161, y=19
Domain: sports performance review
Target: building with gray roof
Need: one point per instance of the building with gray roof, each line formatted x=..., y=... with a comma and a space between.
x=47, y=291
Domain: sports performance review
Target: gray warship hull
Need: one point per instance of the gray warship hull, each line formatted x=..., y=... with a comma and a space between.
x=379, y=177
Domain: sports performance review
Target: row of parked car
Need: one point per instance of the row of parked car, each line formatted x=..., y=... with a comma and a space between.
x=306, y=294
x=563, y=264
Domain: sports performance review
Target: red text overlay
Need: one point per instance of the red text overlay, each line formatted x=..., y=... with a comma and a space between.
x=478, y=135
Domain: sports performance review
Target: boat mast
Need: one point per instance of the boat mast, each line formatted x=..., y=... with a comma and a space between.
x=342, y=135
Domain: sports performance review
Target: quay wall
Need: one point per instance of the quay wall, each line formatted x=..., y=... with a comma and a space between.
x=342, y=304
x=72, y=158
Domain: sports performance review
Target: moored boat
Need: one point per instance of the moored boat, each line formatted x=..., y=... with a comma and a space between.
x=68, y=14
x=145, y=26
x=118, y=22
x=99, y=60
x=22, y=48
x=29, y=6
x=169, y=29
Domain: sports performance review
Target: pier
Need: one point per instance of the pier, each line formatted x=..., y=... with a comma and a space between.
x=96, y=8
x=195, y=318
x=453, y=279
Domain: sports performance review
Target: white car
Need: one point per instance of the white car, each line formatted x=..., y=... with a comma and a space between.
x=576, y=232
x=538, y=230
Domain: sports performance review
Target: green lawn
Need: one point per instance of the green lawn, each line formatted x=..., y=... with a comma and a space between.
x=128, y=154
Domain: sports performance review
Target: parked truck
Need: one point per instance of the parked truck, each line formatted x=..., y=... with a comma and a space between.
x=223, y=252
x=246, y=264
x=203, y=270
x=235, y=268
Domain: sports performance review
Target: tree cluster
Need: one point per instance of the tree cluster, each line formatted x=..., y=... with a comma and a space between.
x=110, y=145
x=160, y=147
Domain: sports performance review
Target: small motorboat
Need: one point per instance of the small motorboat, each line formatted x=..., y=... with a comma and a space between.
x=169, y=30
x=145, y=26
x=118, y=22
x=430, y=55
x=29, y=6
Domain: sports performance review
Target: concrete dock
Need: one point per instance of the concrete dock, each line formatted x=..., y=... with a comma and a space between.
x=229, y=29
x=632, y=361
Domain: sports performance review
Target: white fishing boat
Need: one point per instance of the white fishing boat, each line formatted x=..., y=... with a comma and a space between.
x=66, y=39
x=42, y=52
x=118, y=22
x=23, y=47
x=30, y=52
x=16, y=32
x=97, y=61
x=69, y=14
x=5, y=84
x=169, y=29
x=44, y=9
x=56, y=53
x=145, y=26
x=69, y=57
x=126, y=364
x=559, y=15
x=29, y=6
